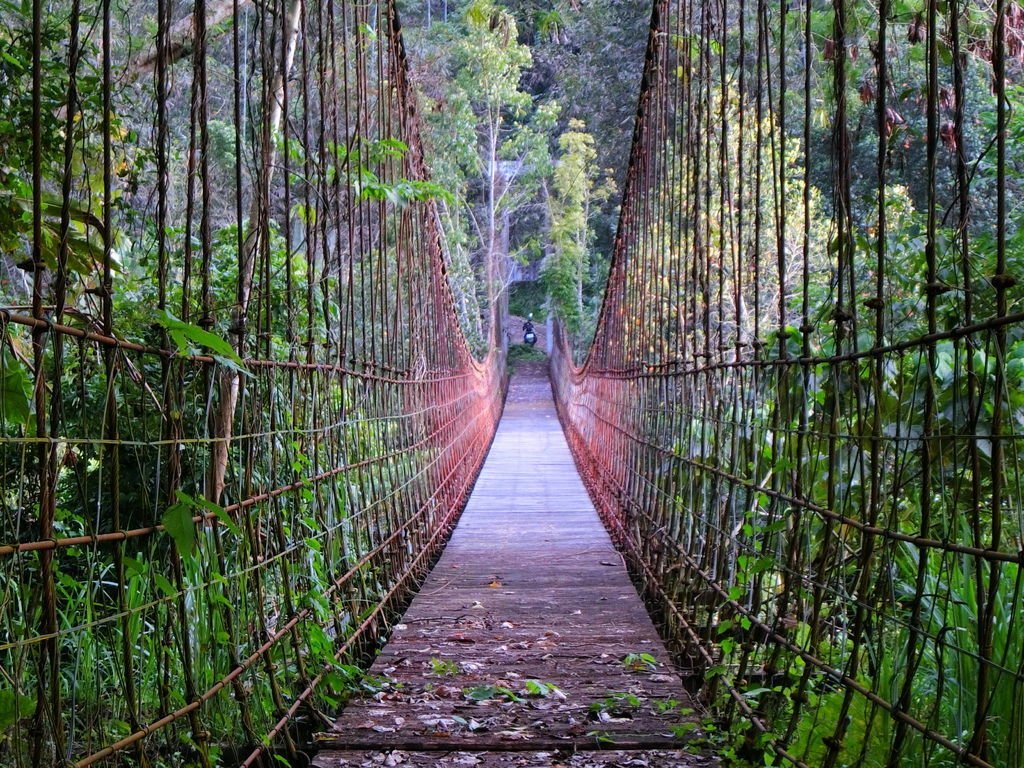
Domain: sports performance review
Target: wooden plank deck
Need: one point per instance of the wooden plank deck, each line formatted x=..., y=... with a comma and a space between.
x=528, y=589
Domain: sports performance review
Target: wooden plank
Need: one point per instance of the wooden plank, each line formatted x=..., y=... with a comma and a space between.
x=537, y=743
x=532, y=759
x=528, y=636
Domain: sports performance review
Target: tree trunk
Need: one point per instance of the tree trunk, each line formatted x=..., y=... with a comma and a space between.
x=491, y=268
x=183, y=36
x=228, y=383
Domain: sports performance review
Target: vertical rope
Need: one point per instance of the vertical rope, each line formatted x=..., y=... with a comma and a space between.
x=48, y=718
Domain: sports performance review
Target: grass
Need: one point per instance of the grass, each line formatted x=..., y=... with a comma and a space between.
x=524, y=353
x=524, y=298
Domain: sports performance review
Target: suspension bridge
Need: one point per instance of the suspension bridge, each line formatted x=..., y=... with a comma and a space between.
x=772, y=514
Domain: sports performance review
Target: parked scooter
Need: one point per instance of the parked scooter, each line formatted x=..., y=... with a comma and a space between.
x=529, y=335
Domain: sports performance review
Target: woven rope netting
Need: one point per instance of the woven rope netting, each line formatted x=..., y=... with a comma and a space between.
x=239, y=415
x=801, y=413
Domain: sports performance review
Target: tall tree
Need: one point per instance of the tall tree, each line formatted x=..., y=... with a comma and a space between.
x=488, y=141
x=258, y=227
x=567, y=266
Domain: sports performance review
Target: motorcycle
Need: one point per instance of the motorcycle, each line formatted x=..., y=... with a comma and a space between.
x=529, y=335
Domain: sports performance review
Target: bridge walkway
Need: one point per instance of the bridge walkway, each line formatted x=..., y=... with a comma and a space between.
x=527, y=644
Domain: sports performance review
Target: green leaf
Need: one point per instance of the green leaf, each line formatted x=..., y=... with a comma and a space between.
x=482, y=693
x=537, y=688
x=320, y=644
x=337, y=681
x=205, y=505
x=164, y=584
x=184, y=334
x=488, y=692
x=177, y=521
x=384, y=148
x=682, y=730
x=12, y=60
x=219, y=599
x=14, y=706
x=134, y=567
x=229, y=363
x=15, y=390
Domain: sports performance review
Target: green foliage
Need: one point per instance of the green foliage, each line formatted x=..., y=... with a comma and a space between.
x=489, y=692
x=488, y=62
x=184, y=335
x=177, y=521
x=542, y=690
x=615, y=704
x=575, y=196
x=602, y=738
x=135, y=431
x=359, y=161
x=14, y=706
x=444, y=667
x=488, y=144
x=665, y=706
x=525, y=353
x=15, y=390
x=84, y=245
x=640, y=662
x=526, y=298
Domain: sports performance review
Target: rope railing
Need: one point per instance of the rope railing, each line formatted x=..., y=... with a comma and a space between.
x=800, y=413
x=238, y=416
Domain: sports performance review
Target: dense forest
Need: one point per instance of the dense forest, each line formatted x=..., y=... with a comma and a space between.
x=238, y=410
x=256, y=262
x=509, y=92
